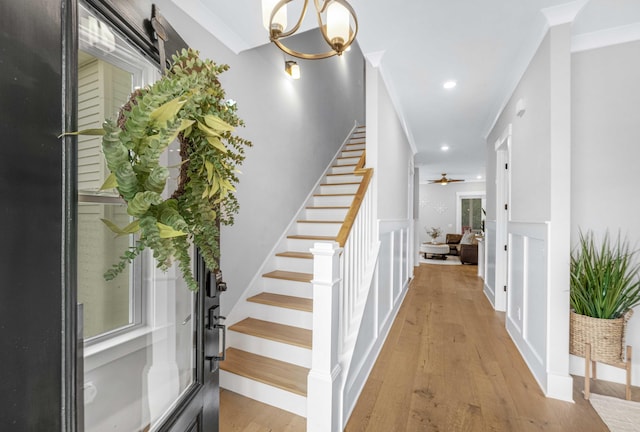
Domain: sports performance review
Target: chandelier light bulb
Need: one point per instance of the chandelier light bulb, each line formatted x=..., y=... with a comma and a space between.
x=337, y=25
x=280, y=18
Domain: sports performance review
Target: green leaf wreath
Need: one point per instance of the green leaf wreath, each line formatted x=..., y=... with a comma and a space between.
x=187, y=103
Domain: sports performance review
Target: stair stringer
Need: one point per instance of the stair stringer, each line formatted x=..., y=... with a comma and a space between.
x=255, y=286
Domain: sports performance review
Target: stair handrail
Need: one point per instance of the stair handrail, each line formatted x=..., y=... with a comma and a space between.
x=350, y=218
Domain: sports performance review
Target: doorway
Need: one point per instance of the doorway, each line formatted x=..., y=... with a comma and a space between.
x=470, y=211
x=503, y=211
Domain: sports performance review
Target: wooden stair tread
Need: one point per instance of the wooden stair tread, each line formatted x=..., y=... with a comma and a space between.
x=288, y=275
x=340, y=184
x=266, y=370
x=344, y=166
x=341, y=174
x=311, y=237
x=283, y=301
x=290, y=254
x=328, y=207
x=321, y=221
x=296, y=336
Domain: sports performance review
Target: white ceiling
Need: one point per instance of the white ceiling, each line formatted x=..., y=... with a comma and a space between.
x=484, y=45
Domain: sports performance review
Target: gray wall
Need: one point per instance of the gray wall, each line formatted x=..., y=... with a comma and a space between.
x=530, y=152
x=296, y=128
x=605, y=154
x=394, y=157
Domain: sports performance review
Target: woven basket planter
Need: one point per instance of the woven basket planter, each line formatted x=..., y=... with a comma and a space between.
x=606, y=337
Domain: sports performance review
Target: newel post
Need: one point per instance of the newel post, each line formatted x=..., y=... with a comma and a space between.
x=324, y=395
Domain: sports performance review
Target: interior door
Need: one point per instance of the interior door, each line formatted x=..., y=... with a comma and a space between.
x=150, y=346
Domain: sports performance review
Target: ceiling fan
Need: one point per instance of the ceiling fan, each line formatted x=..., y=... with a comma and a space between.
x=444, y=180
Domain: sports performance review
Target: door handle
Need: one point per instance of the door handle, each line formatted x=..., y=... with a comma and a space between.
x=214, y=325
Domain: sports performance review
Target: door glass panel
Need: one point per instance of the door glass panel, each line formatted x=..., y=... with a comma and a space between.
x=471, y=214
x=138, y=328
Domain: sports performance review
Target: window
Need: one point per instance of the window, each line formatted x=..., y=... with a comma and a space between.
x=108, y=71
x=469, y=211
x=471, y=214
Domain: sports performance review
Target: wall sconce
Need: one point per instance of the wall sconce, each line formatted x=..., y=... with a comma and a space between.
x=292, y=68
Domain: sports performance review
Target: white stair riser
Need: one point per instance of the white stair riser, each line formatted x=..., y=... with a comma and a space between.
x=341, y=169
x=264, y=393
x=280, y=315
x=299, y=245
x=320, y=229
x=330, y=200
x=301, y=265
x=345, y=178
x=287, y=287
x=326, y=214
x=355, y=146
x=269, y=348
x=339, y=188
x=347, y=161
x=351, y=153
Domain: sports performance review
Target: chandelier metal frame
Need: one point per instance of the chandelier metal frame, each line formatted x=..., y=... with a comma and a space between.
x=338, y=46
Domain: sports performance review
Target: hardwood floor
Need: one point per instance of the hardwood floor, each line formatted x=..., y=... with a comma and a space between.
x=448, y=365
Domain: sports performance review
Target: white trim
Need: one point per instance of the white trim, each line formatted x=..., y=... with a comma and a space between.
x=604, y=38
x=563, y=13
x=503, y=193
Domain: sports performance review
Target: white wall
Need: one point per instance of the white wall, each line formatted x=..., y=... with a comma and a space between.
x=296, y=127
x=438, y=206
x=605, y=154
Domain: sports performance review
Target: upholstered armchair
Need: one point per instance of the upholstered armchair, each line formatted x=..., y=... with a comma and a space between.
x=468, y=253
x=453, y=241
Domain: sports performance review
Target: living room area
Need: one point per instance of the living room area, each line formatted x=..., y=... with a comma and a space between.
x=451, y=221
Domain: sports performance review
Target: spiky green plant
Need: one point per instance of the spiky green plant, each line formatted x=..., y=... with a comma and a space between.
x=187, y=103
x=604, y=279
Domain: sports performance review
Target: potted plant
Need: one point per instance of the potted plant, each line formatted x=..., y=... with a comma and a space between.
x=604, y=289
x=434, y=233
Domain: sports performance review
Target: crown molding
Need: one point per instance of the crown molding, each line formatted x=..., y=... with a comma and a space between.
x=564, y=13
x=604, y=38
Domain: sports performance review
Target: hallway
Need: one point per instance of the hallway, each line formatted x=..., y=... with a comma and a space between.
x=448, y=365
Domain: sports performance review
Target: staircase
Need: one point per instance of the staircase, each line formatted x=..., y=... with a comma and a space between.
x=269, y=351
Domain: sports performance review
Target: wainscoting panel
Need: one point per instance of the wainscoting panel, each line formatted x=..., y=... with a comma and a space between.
x=394, y=272
x=528, y=294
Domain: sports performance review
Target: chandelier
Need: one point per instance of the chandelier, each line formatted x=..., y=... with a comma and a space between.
x=334, y=19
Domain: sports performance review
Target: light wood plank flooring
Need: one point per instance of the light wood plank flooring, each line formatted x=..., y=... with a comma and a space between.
x=448, y=365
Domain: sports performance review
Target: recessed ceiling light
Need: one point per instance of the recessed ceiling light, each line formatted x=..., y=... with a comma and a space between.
x=479, y=177
x=444, y=147
x=449, y=84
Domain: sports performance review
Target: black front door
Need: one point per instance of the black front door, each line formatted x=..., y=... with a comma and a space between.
x=161, y=343
x=151, y=347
